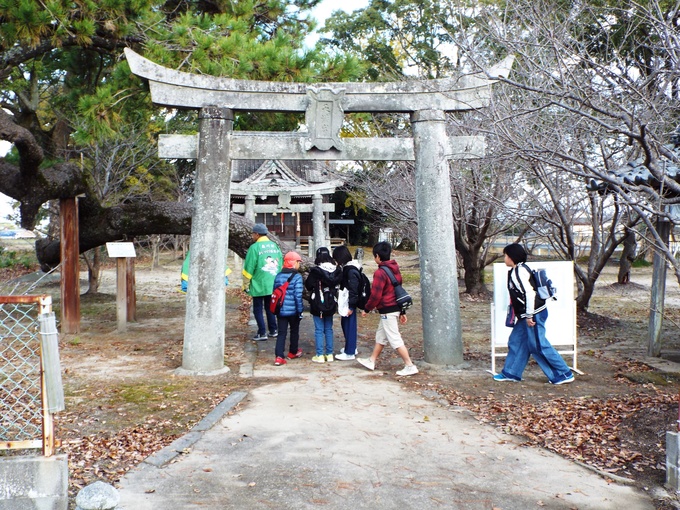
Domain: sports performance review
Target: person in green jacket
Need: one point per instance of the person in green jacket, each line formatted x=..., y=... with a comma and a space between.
x=263, y=262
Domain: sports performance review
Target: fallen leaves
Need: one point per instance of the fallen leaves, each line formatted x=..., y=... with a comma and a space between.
x=585, y=429
x=109, y=457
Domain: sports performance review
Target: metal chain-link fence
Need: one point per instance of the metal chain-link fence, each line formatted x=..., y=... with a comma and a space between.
x=24, y=421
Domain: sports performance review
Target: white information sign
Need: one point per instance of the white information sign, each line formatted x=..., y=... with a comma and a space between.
x=118, y=250
x=560, y=326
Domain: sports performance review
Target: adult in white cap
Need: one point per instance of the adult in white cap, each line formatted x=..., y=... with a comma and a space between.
x=262, y=264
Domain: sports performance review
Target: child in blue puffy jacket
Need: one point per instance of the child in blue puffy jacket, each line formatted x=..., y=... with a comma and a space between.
x=291, y=310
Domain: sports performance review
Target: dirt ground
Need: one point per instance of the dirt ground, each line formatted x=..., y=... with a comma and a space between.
x=124, y=400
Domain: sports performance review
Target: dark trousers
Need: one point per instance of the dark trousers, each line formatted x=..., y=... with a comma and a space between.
x=260, y=309
x=349, y=329
x=284, y=321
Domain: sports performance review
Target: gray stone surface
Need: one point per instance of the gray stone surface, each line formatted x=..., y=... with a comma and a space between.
x=170, y=87
x=442, y=332
x=338, y=436
x=672, y=461
x=34, y=483
x=285, y=146
x=97, y=496
x=203, y=351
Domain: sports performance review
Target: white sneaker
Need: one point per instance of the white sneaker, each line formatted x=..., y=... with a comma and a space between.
x=342, y=351
x=367, y=363
x=408, y=370
x=344, y=357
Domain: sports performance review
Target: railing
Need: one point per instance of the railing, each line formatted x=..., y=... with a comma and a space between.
x=30, y=376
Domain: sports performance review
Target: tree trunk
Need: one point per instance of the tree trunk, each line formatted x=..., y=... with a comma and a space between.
x=93, y=271
x=583, y=299
x=155, y=252
x=473, y=274
x=101, y=225
x=627, y=257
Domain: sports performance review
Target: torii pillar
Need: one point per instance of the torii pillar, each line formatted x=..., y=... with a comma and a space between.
x=318, y=225
x=436, y=240
x=203, y=351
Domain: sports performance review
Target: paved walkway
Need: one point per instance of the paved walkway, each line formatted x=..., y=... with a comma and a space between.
x=338, y=436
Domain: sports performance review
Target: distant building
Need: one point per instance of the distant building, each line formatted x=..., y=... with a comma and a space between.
x=286, y=196
x=20, y=233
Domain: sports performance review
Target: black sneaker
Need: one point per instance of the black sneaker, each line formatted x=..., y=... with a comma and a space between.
x=274, y=333
x=259, y=338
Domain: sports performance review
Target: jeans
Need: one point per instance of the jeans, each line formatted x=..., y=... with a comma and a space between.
x=349, y=329
x=323, y=334
x=528, y=341
x=284, y=321
x=259, y=306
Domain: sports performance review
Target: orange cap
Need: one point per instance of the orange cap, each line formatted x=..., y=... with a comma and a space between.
x=290, y=258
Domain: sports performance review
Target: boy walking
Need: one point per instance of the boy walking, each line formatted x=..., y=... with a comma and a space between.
x=383, y=299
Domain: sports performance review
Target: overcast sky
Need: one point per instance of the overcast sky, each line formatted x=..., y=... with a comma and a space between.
x=326, y=8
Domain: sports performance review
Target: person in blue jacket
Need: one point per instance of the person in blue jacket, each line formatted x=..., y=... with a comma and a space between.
x=291, y=310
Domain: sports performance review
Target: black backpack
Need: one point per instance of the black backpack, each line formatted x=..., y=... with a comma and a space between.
x=403, y=298
x=323, y=300
x=364, y=290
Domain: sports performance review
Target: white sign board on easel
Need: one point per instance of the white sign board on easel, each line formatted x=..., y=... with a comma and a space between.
x=561, y=324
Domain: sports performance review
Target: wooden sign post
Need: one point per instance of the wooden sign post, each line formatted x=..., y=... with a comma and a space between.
x=122, y=252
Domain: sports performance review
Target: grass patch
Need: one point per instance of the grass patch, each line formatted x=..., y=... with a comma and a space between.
x=147, y=393
x=11, y=259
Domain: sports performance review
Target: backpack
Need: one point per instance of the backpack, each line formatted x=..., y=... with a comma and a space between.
x=323, y=301
x=364, y=290
x=279, y=295
x=403, y=298
x=542, y=284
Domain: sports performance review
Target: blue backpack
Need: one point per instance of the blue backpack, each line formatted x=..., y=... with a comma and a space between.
x=542, y=284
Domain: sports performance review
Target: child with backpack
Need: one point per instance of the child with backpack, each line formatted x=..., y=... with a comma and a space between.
x=291, y=309
x=322, y=283
x=528, y=333
x=384, y=300
x=352, y=282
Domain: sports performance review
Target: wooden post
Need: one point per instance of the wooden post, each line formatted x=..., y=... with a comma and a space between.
x=121, y=293
x=70, y=274
x=658, y=291
x=125, y=282
x=131, y=290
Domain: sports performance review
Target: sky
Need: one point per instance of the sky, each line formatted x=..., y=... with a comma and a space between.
x=320, y=13
x=326, y=8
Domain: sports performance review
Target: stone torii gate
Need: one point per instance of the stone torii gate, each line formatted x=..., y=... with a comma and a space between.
x=216, y=145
